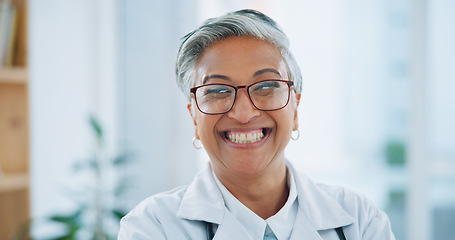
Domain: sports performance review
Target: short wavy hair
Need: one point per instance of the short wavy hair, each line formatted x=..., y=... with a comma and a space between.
x=247, y=22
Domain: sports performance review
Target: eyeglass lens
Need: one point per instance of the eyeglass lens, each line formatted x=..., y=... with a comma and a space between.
x=266, y=95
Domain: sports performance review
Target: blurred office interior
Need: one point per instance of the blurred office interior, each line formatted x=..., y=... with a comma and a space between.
x=377, y=113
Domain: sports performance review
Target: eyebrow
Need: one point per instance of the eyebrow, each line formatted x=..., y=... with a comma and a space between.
x=207, y=78
x=266, y=70
x=219, y=76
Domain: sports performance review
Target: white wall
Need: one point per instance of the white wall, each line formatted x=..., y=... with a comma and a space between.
x=155, y=124
x=72, y=58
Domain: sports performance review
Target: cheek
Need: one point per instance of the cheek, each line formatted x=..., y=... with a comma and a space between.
x=285, y=121
x=206, y=125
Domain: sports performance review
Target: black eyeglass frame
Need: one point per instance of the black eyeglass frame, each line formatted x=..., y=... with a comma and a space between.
x=247, y=88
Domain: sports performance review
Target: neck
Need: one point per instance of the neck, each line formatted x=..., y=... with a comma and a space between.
x=264, y=194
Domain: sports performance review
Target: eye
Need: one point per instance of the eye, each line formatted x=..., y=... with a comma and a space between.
x=266, y=87
x=216, y=92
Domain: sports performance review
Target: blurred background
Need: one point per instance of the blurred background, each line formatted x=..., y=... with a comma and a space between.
x=92, y=121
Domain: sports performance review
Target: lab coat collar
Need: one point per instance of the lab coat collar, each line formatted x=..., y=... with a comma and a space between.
x=202, y=200
x=316, y=207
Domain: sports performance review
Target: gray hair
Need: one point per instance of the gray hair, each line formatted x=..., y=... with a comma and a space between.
x=250, y=23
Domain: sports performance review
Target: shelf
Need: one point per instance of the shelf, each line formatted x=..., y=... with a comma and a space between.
x=13, y=75
x=13, y=182
x=14, y=127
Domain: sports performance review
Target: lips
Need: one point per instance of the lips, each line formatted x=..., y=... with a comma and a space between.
x=246, y=137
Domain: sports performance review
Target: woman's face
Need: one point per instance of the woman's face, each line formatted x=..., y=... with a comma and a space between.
x=243, y=61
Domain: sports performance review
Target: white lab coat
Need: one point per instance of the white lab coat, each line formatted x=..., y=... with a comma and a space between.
x=183, y=213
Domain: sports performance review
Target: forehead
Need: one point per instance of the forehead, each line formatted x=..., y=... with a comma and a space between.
x=239, y=58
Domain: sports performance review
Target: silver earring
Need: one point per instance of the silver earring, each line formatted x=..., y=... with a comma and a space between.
x=194, y=144
x=298, y=135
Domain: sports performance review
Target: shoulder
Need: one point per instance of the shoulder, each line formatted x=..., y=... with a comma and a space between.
x=330, y=200
x=146, y=220
x=331, y=206
x=357, y=205
x=162, y=203
x=176, y=214
x=370, y=221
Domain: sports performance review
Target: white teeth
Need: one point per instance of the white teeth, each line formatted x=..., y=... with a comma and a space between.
x=245, y=138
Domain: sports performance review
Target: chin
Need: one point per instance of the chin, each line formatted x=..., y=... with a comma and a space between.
x=249, y=168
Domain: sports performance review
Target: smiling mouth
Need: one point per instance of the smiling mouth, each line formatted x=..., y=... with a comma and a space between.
x=247, y=137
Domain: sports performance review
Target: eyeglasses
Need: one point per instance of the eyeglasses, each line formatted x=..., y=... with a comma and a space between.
x=267, y=95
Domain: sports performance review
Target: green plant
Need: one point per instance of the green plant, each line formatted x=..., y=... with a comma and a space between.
x=98, y=214
x=395, y=152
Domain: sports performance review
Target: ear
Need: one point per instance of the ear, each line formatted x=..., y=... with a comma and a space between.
x=296, y=119
x=193, y=116
x=190, y=110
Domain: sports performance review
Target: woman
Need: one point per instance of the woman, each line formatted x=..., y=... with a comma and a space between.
x=243, y=87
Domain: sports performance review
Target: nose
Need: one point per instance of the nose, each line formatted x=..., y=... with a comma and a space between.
x=243, y=109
